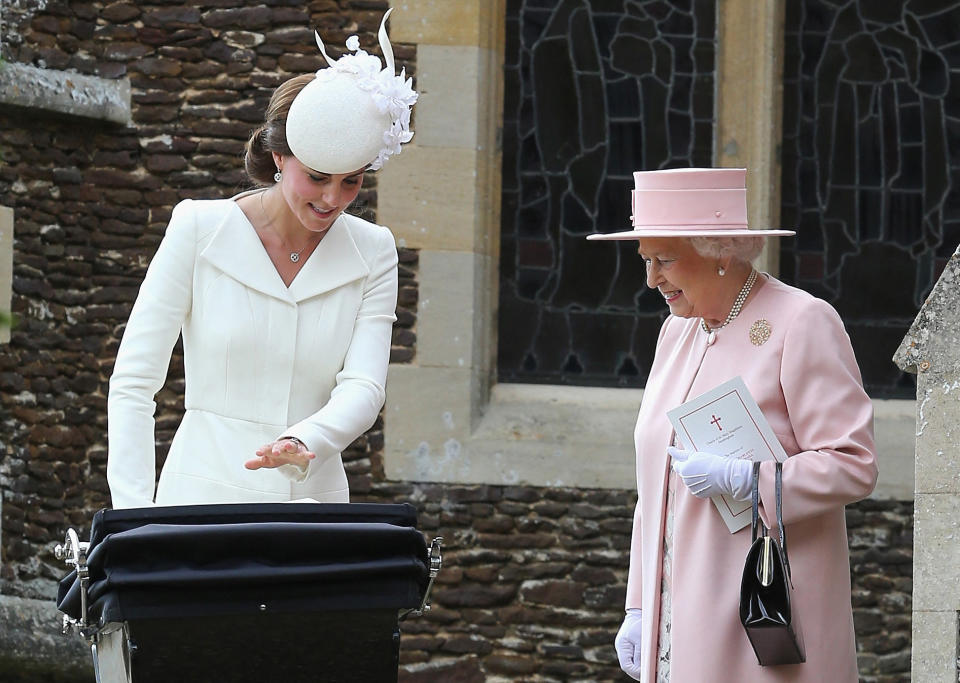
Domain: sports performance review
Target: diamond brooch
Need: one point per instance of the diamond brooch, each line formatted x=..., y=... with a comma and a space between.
x=760, y=332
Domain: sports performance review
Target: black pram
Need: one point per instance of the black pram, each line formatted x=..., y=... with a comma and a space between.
x=247, y=592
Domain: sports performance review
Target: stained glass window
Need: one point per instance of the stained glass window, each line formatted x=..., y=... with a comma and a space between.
x=871, y=160
x=594, y=90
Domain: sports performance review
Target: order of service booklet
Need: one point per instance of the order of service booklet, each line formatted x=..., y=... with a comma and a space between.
x=727, y=421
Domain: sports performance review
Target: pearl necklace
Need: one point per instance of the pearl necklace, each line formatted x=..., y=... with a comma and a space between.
x=734, y=312
x=294, y=255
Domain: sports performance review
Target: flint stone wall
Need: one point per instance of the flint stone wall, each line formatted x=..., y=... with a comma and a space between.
x=533, y=584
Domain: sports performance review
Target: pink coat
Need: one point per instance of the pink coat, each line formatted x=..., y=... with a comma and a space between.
x=806, y=380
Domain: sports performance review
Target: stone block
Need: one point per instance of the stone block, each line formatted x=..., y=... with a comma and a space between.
x=291, y=15
x=934, y=652
x=512, y=666
x=120, y=12
x=447, y=312
x=460, y=670
x=32, y=646
x=430, y=197
x=555, y=593
x=463, y=645
x=527, y=435
x=930, y=347
x=936, y=582
x=750, y=102
x=451, y=81
x=938, y=436
x=238, y=18
x=157, y=66
x=894, y=430
x=124, y=51
x=441, y=22
x=172, y=17
x=472, y=595
x=298, y=64
x=289, y=35
x=428, y=415
x=553, y=426
x=65, y=93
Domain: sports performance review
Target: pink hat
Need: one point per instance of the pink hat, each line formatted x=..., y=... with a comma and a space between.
x=690, y=202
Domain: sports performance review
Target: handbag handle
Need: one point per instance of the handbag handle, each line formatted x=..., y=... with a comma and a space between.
x=755, y=500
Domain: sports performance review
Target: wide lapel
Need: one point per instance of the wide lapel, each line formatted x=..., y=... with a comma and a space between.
x=236, y=250
x=335, y=262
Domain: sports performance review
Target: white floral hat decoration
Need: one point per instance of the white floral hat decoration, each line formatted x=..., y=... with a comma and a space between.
x=355, y=114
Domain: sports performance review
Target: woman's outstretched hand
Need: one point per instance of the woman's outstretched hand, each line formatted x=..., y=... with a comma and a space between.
x=709, y=475
x=284, y=451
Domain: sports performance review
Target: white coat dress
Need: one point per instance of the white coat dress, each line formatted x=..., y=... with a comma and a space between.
x=261, y=360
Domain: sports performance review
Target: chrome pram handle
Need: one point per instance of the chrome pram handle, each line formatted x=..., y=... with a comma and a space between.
x=73, y=552
x=436, y=563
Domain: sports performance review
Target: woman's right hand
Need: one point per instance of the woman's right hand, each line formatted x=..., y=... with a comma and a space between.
x=283, y=451
x=627, y=643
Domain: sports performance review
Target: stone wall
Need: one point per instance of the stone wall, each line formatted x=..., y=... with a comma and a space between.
x=881, y=568
x=533, y=583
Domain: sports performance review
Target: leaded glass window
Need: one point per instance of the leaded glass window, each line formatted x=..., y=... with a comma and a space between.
x=871, y=160
x=594, y=90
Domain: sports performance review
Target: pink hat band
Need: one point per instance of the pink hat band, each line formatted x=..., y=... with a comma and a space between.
x=704, y=208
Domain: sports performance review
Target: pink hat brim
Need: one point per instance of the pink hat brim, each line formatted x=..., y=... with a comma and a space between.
x=689, y=232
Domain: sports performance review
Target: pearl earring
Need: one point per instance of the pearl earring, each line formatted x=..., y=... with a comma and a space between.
x=721, y=272
x=278, y=176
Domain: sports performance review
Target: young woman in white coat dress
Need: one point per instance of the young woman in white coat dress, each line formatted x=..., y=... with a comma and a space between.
x=285, y=303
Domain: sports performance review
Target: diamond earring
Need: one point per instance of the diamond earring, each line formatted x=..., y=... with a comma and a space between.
x=278, y=176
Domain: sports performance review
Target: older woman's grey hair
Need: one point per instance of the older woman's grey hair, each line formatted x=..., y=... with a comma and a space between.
x=743, y=248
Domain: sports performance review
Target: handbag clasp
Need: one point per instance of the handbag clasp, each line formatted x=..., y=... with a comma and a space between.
x=766, y=562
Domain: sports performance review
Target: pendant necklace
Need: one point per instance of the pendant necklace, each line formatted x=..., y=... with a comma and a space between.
x=294, y=255
x=734, y=312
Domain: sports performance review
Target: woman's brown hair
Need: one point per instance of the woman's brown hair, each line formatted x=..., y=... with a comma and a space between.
x=272, y=135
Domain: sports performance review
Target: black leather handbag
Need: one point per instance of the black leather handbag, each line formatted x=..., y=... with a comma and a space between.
x=766, y=607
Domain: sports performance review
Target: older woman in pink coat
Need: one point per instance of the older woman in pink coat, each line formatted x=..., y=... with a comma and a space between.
x=791, y=349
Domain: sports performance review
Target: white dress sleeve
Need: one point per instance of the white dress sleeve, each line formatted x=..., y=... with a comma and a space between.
x=143, y=359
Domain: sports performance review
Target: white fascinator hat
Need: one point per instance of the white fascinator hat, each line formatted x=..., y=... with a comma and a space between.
x=355, y=114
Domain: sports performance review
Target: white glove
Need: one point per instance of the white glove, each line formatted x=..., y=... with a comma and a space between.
x=627, y=643
x=709, y=475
